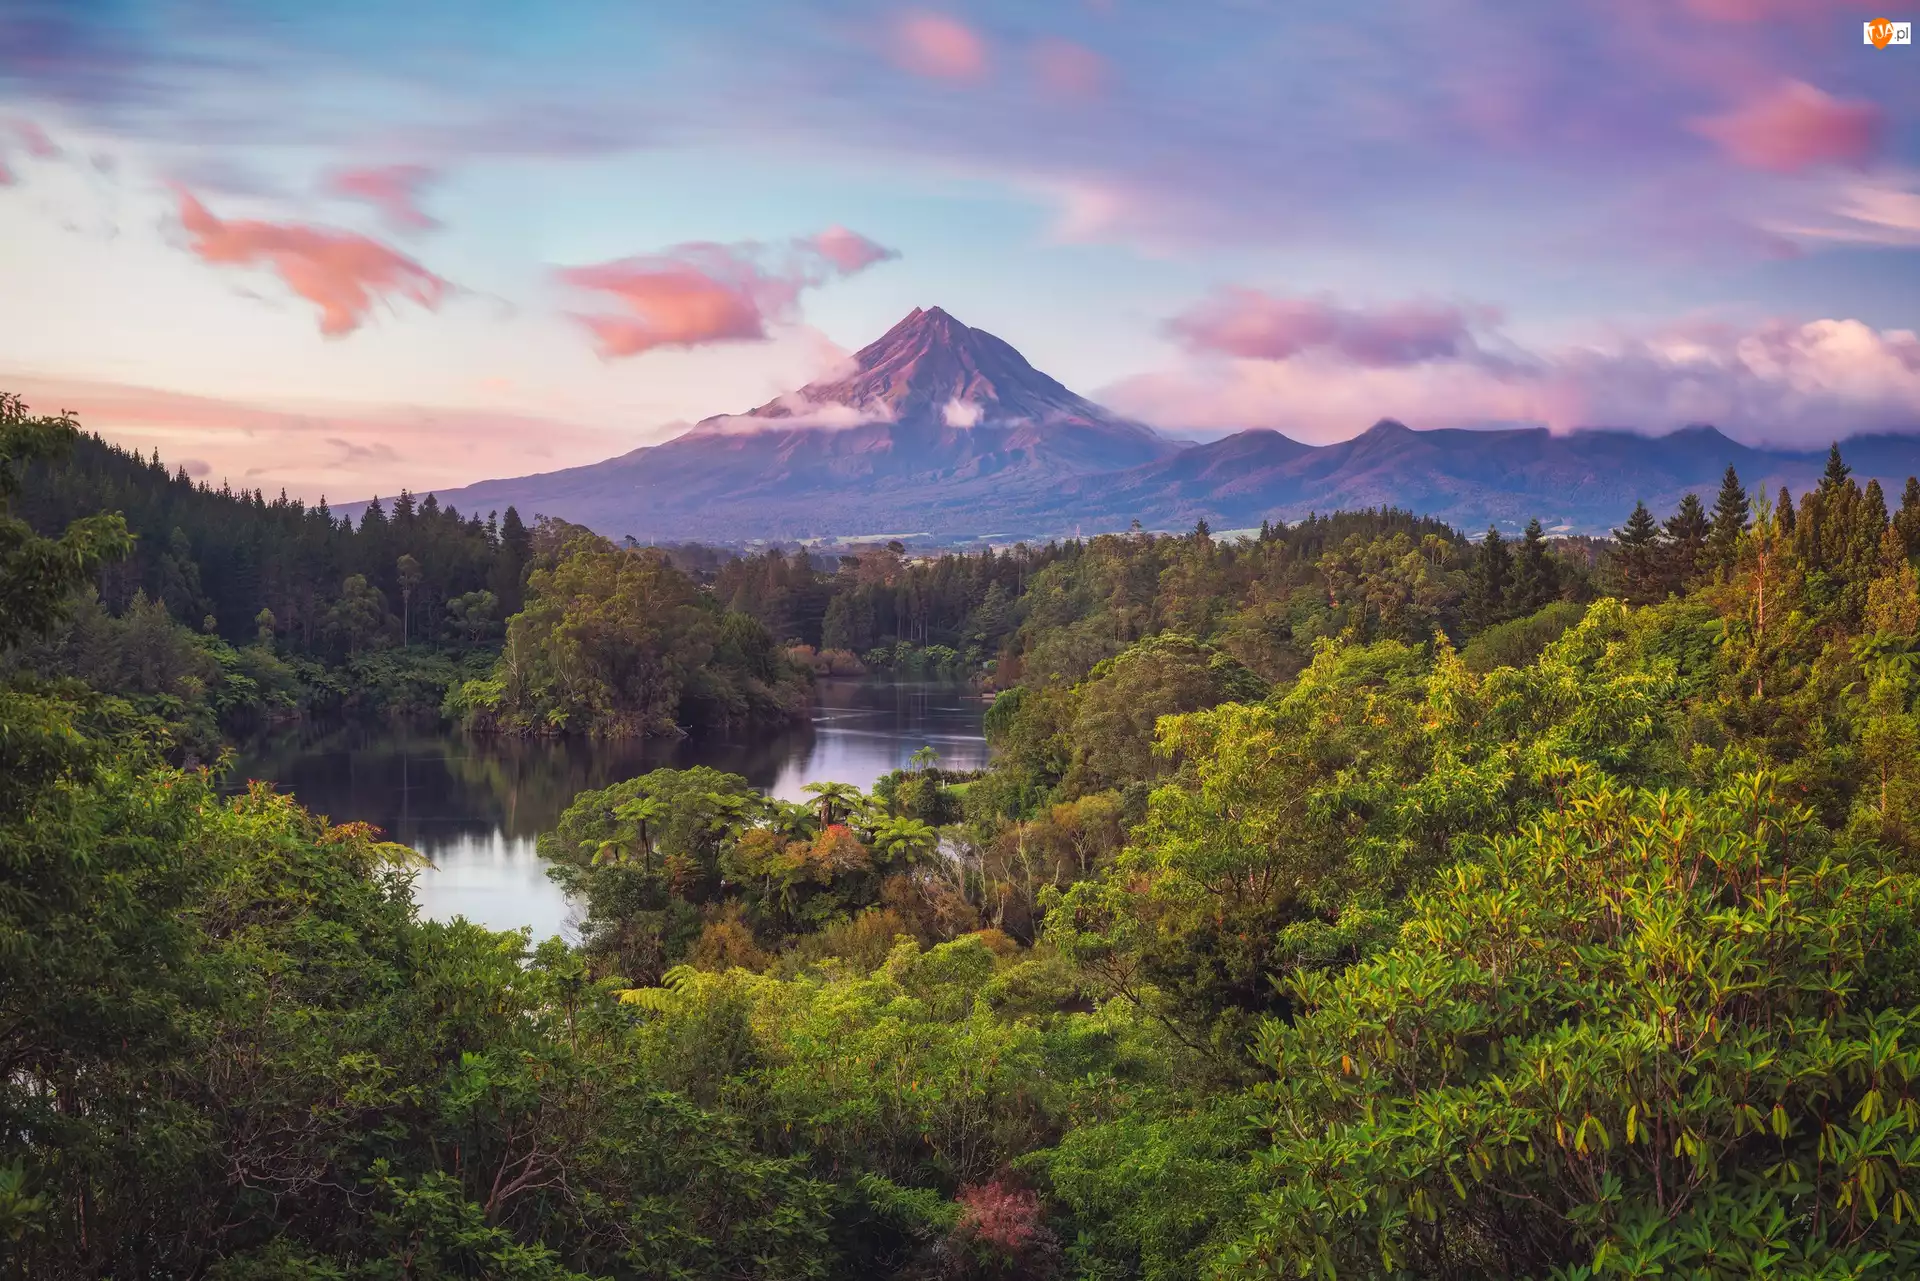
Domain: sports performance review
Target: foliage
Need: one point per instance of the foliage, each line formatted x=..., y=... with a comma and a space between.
x=618, y=643
x=1654, y=1033
x=1280, y=936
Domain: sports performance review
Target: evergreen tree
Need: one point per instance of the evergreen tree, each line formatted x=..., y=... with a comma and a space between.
x=1536, y=576
x=1686, y=545
x=1783, y=512
x=1731, y=512
x=516, y=549
x=1636, y=550
x=1835, y=477
x=1492, y=579
x=1907, y=521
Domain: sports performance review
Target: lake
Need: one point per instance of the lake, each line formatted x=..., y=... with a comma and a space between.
x=474, y=805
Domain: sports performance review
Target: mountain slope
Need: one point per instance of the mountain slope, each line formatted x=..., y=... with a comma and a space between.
x=1583, y=479
x=947, y=430
x=932, y=424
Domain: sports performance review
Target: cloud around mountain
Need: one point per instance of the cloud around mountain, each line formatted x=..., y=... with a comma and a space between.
x=1314, y=369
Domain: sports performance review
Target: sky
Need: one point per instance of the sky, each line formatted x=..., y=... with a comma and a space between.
x=348, y=248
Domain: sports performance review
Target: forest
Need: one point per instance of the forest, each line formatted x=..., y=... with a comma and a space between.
x=1361, y=899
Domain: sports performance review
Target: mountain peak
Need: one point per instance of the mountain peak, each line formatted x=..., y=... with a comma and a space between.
x=931, y=325
x=932, y=372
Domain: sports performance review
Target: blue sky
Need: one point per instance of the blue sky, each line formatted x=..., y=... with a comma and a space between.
x=351, y=247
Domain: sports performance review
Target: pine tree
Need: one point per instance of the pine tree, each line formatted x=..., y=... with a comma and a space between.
x=510, y=564
x=1492, y=578
x=1686, y=545
x=1536, y=575
x=1837, y=471
x=1907, y=521
x=1783, y=512
x=1635, y=552
x=1731, y=512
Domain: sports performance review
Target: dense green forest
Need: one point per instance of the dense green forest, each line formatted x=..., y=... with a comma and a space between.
x=1358, y=900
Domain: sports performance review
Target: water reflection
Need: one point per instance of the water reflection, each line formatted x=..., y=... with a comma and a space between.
x=474, y=806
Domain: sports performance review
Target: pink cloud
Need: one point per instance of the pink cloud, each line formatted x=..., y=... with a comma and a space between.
x=695, y=294
x=345, y=450
x=849, y=251
x=35, y=140
x=392, y=189
x=1258, y=326
x=691, y=295
x=939, y=47
x=1069, y=70
x=1765, y=10
x=339, y=272
x=1795, y=127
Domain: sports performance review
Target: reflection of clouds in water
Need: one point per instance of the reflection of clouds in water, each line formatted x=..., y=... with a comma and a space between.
x=494, y=880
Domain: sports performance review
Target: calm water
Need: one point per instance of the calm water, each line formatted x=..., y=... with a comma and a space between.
x=475, y=805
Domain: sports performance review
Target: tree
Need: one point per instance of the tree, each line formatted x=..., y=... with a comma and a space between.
x=1536, y=575
x=1636, y=552
x=1553, y=1072
x=1731, y=515
x=1492, y=572
x=1783, y=512
x=1123, y=699
x=636, y=818
x=836, y=800
x=1685, y=547
x=470, y=616
x=407, y=572
x=359, y=618
x=905, y=839
x=38, y=575
x=1907, y=519
x=1834, y=478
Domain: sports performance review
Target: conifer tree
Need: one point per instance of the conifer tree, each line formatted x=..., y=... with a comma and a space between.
x=1636, y=548
x=1837, y=471
x=1686, y=545
x=1907, y=521
x=1536, y=576
x=1731, y=513
x=1783, y=512
x=1492, y=578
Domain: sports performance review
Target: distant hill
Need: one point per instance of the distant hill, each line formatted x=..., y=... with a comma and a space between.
x=941, y=429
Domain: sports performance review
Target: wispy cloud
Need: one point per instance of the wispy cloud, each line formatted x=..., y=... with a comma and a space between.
x=1259, y=326
x=1795, y=126
x=695, y=294
x=394, y=190
x=341, y=273
x=939, y=47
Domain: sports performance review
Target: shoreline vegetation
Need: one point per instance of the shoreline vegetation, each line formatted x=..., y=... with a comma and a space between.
x=1358, y=899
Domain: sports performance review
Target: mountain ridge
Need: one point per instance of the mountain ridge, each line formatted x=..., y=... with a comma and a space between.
x=941, y=427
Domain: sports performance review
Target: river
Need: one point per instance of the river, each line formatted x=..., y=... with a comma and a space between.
x=475, y=805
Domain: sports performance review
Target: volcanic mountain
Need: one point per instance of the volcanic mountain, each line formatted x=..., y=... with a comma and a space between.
x=945, y=430
x=929, y=428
